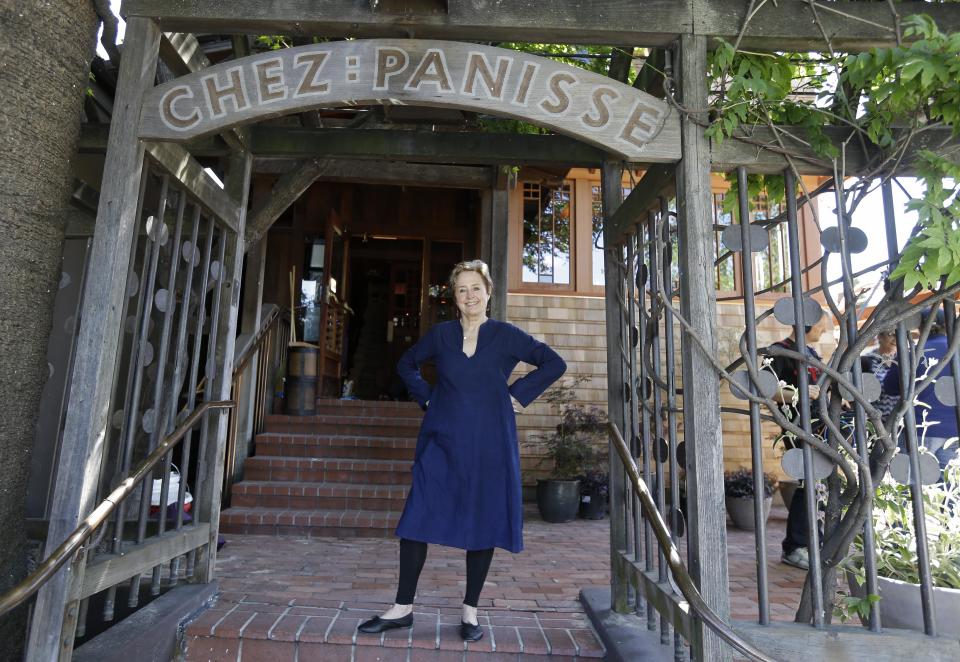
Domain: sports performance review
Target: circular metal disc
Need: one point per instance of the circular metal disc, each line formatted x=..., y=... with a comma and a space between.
x=944, y=389
x=117, y=419
x=682, y=454
x=146, y=356
x=792, y=464
x=215, y=270
x=870, y=387
x=783, y=311
x=661, y=451
x=641, y=275
x=65, y=280
x=929, y=468
x=681, y=525
x=160, y=300
x=133, y=284
x=856, y=240
x=740, y=384
x=759, y=238
x=634, y=336
x=148, y=421
x=50, y=370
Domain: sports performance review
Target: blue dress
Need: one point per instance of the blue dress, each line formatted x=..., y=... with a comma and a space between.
x=466, y=472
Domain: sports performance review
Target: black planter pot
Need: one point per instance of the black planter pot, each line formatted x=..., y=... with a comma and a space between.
x=558, y=500
x=592, y=506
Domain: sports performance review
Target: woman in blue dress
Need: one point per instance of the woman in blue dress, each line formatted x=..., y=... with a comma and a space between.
x=466, y=472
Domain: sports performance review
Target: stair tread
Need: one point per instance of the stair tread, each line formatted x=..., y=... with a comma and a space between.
x=293, y=484
x=345, y=418
x=286, y=460
x=324, y=436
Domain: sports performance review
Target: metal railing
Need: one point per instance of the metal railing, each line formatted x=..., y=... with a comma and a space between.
x=841, y=441
x=269, y=348
x=72, y=545
x=672, y=554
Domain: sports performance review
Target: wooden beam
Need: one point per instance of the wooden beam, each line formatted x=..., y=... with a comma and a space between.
x=701, y=388
x=611, y=191
x=657, y=181
x=423, y=146
x=185, y=169
x=785, y=25
x=499, y=244
x=795, y=641
x=760, y=151
x=273, y=142
x=182, y=53
x=662, y=597
x=87, y=419
x=110, y=569
x=285, y=192
x=396, y=173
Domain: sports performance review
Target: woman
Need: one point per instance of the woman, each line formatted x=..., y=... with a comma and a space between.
x=466, y=471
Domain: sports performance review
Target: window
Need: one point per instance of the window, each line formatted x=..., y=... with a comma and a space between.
x=770, y=266
x=596, y=234
x=547, y=215
x=725, y=268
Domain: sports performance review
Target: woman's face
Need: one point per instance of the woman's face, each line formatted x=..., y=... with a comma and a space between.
x=471, y=294
x=887, y=342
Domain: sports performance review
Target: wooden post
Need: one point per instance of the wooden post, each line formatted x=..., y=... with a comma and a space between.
x=98, y=345
x=238, y=187
x=707, y=539
x=252, y=304
x=612, y=196
x=499, y=229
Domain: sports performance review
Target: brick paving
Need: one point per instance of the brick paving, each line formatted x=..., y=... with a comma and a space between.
x=327, y=491
x=299, y=598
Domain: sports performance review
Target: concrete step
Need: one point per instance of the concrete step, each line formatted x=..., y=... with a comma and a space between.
x=280, y=444
x=375, y=408
x=351, y=426
x=327, y=470
x=323, y=496
x=308, y=523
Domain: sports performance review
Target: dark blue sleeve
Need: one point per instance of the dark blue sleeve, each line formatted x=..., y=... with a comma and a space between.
x=549, y=366
x=408, y=367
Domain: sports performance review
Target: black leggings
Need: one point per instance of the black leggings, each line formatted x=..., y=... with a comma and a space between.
x=414, y=553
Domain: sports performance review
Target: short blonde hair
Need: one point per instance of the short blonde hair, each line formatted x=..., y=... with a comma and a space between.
x=477, y=266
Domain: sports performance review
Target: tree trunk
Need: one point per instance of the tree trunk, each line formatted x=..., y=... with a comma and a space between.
x=45, y=53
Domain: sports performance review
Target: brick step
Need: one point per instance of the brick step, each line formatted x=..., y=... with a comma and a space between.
x=376, y=408
x=309, y=523
x=351, y=426
x=280, y=444
x=281, y=633
x=327, y=470
x=323, y=496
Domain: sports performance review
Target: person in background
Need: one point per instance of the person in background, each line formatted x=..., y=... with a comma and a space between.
x=880, y=361
x=936, y=421
x=466, y=490
x=795, y=543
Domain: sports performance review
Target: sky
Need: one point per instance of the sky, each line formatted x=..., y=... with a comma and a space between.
x=869, y=218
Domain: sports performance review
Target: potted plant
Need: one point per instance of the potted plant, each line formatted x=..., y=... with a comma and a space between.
x=738, y=493
x=594, y=491
x=898, y=581
x=575, y=449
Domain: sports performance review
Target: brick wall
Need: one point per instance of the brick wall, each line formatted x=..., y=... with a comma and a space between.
x=575, y=327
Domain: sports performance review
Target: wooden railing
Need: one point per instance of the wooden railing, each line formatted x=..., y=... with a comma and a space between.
x=70, y=547
x=264, y=355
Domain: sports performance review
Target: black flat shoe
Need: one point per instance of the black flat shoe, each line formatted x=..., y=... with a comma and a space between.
x=470, y=632
x=377, y=625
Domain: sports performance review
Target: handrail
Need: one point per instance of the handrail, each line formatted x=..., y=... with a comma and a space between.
x=49, y=567
x=256, y=341
x=683, y=579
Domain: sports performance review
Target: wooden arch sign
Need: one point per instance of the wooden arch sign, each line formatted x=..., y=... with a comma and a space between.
x=587, y=106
